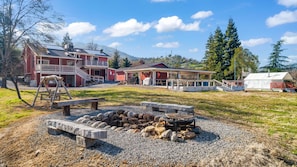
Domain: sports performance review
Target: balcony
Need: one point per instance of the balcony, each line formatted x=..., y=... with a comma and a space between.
x=55, y=69
x=94, y=63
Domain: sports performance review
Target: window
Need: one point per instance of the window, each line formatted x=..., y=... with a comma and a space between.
x=70, y=62
x=43, y=61
x=97, y=72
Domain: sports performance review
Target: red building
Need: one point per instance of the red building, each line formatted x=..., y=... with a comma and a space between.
x=159, y=74
x=78, y=67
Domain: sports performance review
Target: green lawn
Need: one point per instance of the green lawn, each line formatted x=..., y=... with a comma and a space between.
x=272, y=112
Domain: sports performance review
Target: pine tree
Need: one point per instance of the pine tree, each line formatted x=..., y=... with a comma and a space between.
x=67, y=40
x=276, y=60
x=214, y=53
x=115, y=61
x=231, y=43
x=126, y=62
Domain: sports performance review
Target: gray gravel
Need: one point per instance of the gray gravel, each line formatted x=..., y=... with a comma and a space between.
x=216, y=138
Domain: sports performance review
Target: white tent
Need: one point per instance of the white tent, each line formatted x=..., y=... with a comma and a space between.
x=262, y=81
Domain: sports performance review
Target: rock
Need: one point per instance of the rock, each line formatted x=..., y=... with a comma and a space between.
x=37, y=152
x=102, y=125
x=156, y=118
x=113, y=127
x=120, y=112
x=140, y=116
x=166, y=134
x=134, y=126
x=173, y=137
x=100, y=116
x=79, y=119
x=119, y=129
x=130, y=114
x=93, y=118
x=95, y=124
x=159, y=130
x=149, y=129
x=145, y=134
x=90, y=123
x=188, y=135
x=86, y=116
x=84, y=120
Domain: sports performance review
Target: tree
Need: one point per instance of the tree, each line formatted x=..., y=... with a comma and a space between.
x=214, y=54
x=243, y=60
x=115, y=60
x=126, y=62
x=231, y=43
x=92, y=46
x=276, y=60
x=67, y=40
x=21, y=20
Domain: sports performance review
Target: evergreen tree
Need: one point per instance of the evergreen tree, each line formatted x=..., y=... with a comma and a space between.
x=67, y=40
x=214, y=53
x=231, y=43
x=115, y=61
x=276, y=60
x=126, y=62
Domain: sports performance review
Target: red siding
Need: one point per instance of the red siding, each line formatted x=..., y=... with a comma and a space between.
x=120, y=76
x=111, y=74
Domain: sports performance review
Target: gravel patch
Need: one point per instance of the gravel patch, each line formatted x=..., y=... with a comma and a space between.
x=215, y=139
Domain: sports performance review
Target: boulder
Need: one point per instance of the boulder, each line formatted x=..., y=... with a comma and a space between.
x=166, y=134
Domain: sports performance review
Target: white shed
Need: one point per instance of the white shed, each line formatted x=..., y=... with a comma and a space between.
x=271, y=81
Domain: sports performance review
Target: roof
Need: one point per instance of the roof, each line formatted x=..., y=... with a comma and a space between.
x=160, y=67
x=144, y=66
x=269, y=76
x=58, y=51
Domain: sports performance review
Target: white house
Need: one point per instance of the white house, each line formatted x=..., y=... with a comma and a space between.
x=272, y=81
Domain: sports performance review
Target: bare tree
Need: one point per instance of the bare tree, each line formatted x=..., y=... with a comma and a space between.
x=92, y=46
x=22, y=20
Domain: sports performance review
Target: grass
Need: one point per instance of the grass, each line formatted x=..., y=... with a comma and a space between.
x=272, y=112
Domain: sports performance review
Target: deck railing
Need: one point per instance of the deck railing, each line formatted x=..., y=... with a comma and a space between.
x=55, y=68
x=95, y=63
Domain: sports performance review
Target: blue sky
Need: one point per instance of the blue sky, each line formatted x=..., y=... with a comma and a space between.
x=153, y=28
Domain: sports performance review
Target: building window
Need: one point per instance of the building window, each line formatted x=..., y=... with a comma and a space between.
x=97, y=72
x=43, y=61
x=70, y=62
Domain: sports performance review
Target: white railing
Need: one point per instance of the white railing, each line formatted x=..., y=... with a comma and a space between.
x=55, y=68
x=83, y=74
x=96, y=63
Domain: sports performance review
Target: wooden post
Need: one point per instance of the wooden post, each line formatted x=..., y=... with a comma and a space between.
x=94, y=105
x=66, y=110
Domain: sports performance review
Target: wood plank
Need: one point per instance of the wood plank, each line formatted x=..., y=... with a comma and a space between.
x=76, y=101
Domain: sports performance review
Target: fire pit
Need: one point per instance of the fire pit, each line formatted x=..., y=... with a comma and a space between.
x=168, y=126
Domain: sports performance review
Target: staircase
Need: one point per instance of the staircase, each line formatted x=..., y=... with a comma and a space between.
x=83, y=74
x=222, y=87
x=89, y=80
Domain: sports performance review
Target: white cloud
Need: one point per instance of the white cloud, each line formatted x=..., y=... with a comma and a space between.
x=289, y=38
x=126, y=28
x=76, y=29
x=202, y=14
x=193, y=50
x=287, y=3
x=167, y=45
x=172, y=23
x=114, y=44
x=256, y=42
x=282, y=18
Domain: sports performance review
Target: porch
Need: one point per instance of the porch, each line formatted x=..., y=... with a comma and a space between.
x=173, y=79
